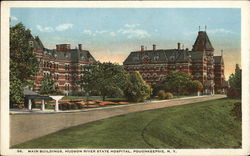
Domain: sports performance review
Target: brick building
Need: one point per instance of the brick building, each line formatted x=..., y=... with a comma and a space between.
x=63, y=64
x=200, y=62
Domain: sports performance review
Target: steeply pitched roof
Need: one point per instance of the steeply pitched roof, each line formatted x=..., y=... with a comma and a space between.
x=197, y=56
x=39, y=42
x=158, y=56
x=71, y=55
x=202, y=42
x=218, y=60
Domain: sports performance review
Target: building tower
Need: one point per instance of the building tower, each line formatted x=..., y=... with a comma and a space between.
x=203, y=44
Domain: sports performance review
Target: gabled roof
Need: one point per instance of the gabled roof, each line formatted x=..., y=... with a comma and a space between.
x=202, y=42
x=158, y=56
x=39, y=42
x=218, y=60
x=71, y=55
x=197, y=56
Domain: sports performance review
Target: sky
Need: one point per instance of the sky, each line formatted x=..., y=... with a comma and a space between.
x=110, y=34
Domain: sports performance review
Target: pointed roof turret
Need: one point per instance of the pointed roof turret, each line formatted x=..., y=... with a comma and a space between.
x=39, y=42
x=202, y=42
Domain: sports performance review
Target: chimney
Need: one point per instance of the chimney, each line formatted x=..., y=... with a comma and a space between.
x=154, y=47
x=57, y=47
x=179, y=45
x=142, y=48
x=80, y=46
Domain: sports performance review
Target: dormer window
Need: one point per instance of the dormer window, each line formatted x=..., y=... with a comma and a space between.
x=172, y=58
x=31, y=44
x=156, y=58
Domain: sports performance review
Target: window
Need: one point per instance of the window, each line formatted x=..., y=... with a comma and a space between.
x=154, y=75
x=172, y=58
x=156, y=58
x=31, y=44
x=162, y=69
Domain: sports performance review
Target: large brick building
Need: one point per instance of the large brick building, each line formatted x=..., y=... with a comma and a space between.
x=63, y=64
x=200, y=62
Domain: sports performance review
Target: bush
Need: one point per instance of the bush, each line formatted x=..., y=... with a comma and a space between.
x=219, y=91
x=76, y=93
x=161, y=94
x=73, y=106
x=233, y=93
x=236, y=111
x=137, y=89
x=169, y=95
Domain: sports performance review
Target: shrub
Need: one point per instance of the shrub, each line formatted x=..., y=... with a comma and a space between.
x=137, y=89
x=233, y=93
x=219, y=91
x=236, y=111
x=169, y=95
x=73, y=106
x=195, y=86
x=161, y=94
x=76, y=93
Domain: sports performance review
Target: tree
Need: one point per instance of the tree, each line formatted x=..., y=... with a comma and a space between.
x=195, y=86
x=47, y=86
x=235, y=79
x=23, y=63
x=137, y=89
x=175, y=82
x=235, y=83
x=107, y=78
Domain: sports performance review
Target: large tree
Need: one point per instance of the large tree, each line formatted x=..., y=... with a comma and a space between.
x=23, y=63
x=137, y=89
x=235, y=79
x=47, y=86
x=175, y=82
x=235, y=83
x=106, y=78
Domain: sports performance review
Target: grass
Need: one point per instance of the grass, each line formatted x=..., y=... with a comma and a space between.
x=199, y=125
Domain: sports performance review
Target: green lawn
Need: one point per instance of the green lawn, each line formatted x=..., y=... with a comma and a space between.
x=198, y=125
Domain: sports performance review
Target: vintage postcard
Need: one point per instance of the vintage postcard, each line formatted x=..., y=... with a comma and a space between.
x=125, y=78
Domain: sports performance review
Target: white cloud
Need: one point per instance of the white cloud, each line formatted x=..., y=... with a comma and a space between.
x=112, y=33
x=63, y=27
x=13, y=18
x=44, y=29
x=100, y=32
x=134, y=33
x=88, y=32
x=131, y=25
x=220, y=30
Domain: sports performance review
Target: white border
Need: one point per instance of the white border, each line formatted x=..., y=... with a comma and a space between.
x=245, y=42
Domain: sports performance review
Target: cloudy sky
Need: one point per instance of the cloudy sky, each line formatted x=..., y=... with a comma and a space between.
x=112, y=33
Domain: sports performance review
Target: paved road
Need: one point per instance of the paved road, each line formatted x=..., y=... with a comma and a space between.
x=27, y=126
